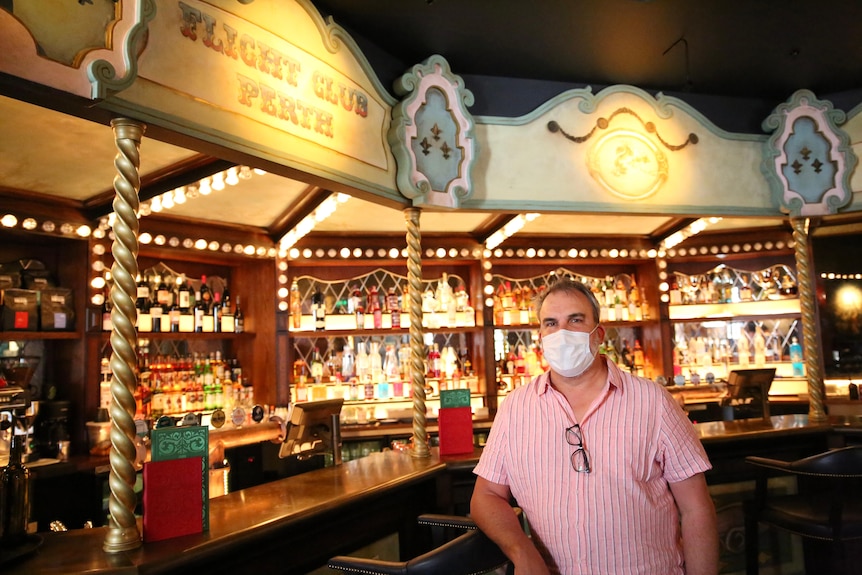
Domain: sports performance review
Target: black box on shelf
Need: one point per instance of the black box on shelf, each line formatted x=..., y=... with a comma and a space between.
x=10, y=275
x=56, y=309
x=19, y=310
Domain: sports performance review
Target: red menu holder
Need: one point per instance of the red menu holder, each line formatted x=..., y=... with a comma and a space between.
x=173, y=498
x=455, y=425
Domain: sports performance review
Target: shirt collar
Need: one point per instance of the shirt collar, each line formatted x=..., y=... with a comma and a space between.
x=615, y=377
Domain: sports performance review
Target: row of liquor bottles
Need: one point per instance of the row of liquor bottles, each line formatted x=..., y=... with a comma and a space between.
x=165, y=305
x=184, y=384
x=528, y=360
x=620, y=299
x=727, y=285
x=376, y=308
x=749, y=349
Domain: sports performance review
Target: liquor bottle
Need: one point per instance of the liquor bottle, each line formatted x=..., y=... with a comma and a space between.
x=227, y=319
x=796, y=358
x=357, y=306
x=626, y=355
x=15, y=487
x=743, y=349
x=199, y=312
x=759, y=347
x=215, y=312
x=238, y=318
x=675, y=294
x=316, y=366
x=348, y=363
x=318, y=310
x=434, y=367
x=374, y=307
x=184, y=295
x=295, y=305
x=363, y=367
x=174, y=315
x=206, y=294
x=745, y=290
x=390, y=364
x=638, y=356
x=394, y=309
x=300, y=378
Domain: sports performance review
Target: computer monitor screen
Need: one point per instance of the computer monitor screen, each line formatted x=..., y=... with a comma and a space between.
x=309, y=428
x=750, y=385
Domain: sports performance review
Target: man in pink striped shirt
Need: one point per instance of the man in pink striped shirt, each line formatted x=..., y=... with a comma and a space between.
x=606, y=466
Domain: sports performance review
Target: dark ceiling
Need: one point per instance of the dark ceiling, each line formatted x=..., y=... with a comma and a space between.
x=763, y=49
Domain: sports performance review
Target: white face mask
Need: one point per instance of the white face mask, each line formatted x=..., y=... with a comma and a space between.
x=568, y=352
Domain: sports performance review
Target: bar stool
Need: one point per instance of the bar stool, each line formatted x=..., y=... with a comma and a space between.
x=471, y=553
x=827, y=507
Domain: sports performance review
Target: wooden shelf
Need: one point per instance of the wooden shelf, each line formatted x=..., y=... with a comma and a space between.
x=185, y=335
x=31, y=335
x=304, y=334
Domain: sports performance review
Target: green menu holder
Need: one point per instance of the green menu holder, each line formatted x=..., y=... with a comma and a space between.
x=454, y=398
x=182, y=442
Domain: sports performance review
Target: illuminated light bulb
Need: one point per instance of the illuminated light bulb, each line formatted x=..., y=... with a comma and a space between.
x=293, y=253
x=192, y=192
x=9, y=221
x=282, y=306
x=174, y=241
x=201, y=244
x=145, y=238
x=489, y=302
x=663, y=286
x=244, y=173
x=249, y=250
x=48, y=226
x=214, y=246
x=306, y=253
x=342, y=198
x=393, y=252
x=486, y=253
x=652, y=254
x=345, y=252
x=205, y=188
x=144, y=211
x=99, y=249
x=441, y=252
x=282, y=292
x=488, y=289
x=531, y=253
x=218, y=181
x=357, y=252
x=259, y=172
x=29, y=224
x=83, y=231
x=167, y=200
x=180, y=195
x=156, y=204
x=260, y=251
x=98, y=266
x=67, y=229
x=97, y=282
x=614, y=253
x=270, y=253
x=97, y=299
x=188, y=243
x=159, y=240
x=232, y=177
x=453, y=252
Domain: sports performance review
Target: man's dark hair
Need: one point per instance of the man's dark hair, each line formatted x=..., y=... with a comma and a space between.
x=570, y=286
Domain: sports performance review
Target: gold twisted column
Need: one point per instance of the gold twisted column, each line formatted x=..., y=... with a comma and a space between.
x=816, y=392
x=417, y=342
x=123, y=531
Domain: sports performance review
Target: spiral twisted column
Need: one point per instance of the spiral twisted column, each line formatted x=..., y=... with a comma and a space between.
x=417, y=341
x=816, y=391
x=123, y=531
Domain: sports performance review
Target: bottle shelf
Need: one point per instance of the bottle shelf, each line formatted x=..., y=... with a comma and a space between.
x=785, y=307
x=309, y=334
x=31, y=335
x=181, y=335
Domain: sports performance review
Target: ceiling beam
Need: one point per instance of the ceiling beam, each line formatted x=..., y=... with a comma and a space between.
x=304, y=205
x=183, y=173
x=669, y=228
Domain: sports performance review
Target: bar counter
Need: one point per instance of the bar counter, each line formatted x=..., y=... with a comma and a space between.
x=294, y=525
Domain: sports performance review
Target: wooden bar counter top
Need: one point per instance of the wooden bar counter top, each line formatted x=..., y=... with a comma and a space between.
x=293, y=525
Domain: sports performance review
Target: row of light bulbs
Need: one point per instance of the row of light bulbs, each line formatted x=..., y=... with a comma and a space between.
x=204, y=187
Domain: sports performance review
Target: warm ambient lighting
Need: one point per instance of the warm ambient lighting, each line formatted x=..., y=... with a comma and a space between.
x=692, y=229
x=511, y=227
x=323, y=211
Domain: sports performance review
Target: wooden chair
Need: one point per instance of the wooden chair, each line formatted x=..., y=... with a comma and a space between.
x=828, y=506
x=470, y=553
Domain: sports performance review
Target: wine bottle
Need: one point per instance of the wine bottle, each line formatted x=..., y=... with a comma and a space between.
x=216, y=311
x=206, y=294
x=199, y=312
x=238, y=318
x=184, y=295
x=316, y=366
x=318, y=310
x=15, y=479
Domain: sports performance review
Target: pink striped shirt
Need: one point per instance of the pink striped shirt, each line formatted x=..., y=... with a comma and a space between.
x=621, y=517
